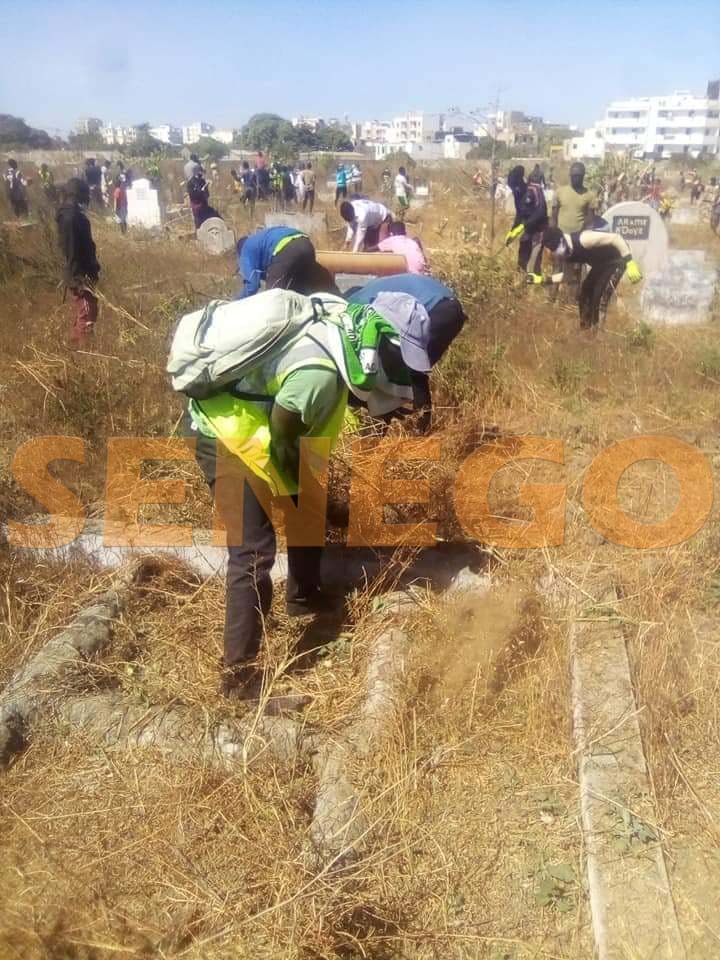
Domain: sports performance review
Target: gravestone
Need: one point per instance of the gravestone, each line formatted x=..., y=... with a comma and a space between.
x=215, y=237
x=686, y=216
x=302, y=222
x=143, y=205
x=643, y=228
x=683, y=292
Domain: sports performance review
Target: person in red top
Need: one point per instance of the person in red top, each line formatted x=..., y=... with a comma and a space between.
x=120, y=204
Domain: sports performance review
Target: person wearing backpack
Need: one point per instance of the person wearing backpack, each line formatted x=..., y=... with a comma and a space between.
x=268, y=380
x=281, y=256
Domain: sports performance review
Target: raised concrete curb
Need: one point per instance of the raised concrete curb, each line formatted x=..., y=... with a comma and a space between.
x=632, y=908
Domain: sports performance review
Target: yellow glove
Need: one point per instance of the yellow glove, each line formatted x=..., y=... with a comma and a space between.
x=535, y=279
x=633, y=271
x=513, y=234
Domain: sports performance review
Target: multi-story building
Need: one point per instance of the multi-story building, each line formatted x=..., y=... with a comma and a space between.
x=167, y=133
x=118, y=136
x=314, y=123
x=195, y=131
x=415, y=127
x=88, y=126
x=417, y=134
x=682, y=123
x=371, y=131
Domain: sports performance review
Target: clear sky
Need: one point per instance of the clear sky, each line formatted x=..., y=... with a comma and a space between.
x=222, y=60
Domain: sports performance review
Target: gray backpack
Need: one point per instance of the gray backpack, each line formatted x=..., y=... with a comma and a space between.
x=221, y=343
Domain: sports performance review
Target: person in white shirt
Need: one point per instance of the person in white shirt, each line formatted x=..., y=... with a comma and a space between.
x=402, y=191
x=368, y=223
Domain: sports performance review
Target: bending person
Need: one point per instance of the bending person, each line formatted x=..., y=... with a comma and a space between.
x=605, y=253
x=282, y=257
x=445, y=320
x=368, y=223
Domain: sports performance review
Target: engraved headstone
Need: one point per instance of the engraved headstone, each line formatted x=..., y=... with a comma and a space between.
x=644, y=230
x=215, y=237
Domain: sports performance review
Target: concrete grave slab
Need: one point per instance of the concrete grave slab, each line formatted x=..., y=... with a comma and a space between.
x=303, y=222
x=683, y=292
x=686, y=216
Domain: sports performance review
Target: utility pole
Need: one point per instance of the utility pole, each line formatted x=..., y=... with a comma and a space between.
x=493, y=178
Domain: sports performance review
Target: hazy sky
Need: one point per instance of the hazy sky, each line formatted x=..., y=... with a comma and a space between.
x=222, y=60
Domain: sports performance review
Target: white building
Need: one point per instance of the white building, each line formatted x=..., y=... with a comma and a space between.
x=435, y=150
x=88, y=126
x=372, y=131
x=166, y=133
x=665, y=126
x=195, y=131
x=118, y=136
x=224, y=136
x=589, y=146
x=314, y=123
x=415, y=127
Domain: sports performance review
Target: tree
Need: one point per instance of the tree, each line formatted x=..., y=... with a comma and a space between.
x=268, y=131
x=212, y=149
x=14, y=132
x=86, y=141
x=333, y=139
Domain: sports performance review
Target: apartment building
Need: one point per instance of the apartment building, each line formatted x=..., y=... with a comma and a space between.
x=167, y=133
x=682, y=123
x=195, y=131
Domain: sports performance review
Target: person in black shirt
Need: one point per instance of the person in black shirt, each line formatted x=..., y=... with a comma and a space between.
x=78, y=249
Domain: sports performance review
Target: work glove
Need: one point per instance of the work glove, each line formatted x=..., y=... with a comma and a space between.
x=513, y=234
x=535, y=279
x=633, y=271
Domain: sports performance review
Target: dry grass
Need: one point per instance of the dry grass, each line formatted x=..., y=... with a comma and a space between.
x=472, y=797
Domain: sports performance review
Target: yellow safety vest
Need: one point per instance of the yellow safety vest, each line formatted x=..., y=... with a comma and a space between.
x=241, y=420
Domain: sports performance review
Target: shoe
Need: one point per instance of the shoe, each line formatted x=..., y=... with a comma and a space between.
x=242, y=682
x=316, y=604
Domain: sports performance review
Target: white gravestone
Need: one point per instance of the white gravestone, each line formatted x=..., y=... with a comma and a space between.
x=143, y=206
x=215, y=237
x=643, y=228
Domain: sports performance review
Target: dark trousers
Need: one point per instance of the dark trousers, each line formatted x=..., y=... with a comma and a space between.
x=447, y=319
x=591, y=291
x=309, y=200
x=293, y=268
x=340, y=192
x=251, y=554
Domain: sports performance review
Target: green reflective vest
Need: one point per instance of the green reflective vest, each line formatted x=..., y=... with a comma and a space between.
x=241, y=420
